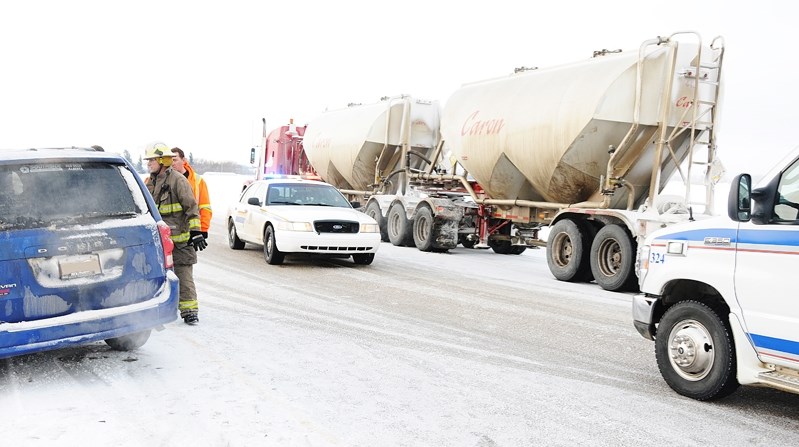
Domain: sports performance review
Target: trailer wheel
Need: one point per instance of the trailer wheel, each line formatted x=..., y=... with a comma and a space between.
x=500, y=247
x=399, y=228
x=373, y=211
x=232, y=238
x=518, y=249
x=272, y=255
x=567, y=256
x=424, y=229
x=613, y=259
x=695, y=352
x=466, y=242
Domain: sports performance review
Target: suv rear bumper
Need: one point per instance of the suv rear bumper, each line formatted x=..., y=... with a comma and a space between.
x=89, y=326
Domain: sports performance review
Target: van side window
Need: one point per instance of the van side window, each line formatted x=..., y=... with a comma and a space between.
x=787, y=207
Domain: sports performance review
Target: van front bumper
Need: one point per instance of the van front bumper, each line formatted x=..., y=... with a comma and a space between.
x=644, y=307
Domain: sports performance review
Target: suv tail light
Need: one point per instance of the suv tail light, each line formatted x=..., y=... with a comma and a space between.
x=166, y=243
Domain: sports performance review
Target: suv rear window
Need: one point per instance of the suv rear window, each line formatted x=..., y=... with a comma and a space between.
x=36, y=195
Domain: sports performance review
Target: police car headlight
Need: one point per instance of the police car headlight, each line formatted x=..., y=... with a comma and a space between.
x=294, y=226
x=369, y=228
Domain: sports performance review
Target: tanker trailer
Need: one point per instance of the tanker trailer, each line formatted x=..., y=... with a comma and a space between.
x=371, y=150
x=586, y=148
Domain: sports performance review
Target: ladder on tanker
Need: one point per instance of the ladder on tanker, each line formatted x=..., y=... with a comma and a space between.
x=699, y=121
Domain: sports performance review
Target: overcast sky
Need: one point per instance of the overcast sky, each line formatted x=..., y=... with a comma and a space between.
x=200, y=75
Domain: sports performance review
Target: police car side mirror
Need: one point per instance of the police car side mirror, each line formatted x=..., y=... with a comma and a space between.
x=253, y=201
x=739, y=201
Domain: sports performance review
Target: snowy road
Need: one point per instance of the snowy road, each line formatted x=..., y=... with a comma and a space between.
x=467, y=348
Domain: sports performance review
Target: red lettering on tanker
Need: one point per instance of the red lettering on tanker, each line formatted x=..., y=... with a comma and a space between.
x=683, y=102
x=321, y=143
x=475, y=126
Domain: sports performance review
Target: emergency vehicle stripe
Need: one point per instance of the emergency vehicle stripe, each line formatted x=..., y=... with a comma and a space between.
x=756, y=237
x=776, y=344
x=700, y=246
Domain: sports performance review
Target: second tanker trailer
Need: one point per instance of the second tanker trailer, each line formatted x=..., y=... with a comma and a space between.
x=584, y=149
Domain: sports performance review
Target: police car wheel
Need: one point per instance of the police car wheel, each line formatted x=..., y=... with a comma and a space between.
x=272, y=255
x=233, y=238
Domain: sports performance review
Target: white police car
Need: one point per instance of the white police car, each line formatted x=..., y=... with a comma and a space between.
x=294, y=216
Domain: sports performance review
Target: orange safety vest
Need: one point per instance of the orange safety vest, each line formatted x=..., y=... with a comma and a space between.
x=200, y=190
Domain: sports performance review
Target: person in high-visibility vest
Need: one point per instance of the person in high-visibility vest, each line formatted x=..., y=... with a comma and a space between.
x=178, y=208
x=198, y=186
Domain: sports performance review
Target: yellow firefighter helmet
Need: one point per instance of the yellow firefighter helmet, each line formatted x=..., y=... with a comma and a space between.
x=159, y=151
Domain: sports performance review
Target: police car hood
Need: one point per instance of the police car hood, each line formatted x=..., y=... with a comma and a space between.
x=311, y=213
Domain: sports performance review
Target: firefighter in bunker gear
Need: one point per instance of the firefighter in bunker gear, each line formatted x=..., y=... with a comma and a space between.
x=178, y=209
x=198, y=186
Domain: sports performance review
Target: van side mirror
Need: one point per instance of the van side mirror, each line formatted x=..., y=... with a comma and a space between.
x=739, y=201
x=252, y=156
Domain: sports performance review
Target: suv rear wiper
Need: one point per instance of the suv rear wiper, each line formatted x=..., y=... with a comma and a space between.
x=21, y=222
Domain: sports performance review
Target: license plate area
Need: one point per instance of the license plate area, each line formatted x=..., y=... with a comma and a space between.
x=79, y=266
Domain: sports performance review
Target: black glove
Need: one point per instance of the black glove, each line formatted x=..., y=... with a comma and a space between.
x=205, y=235
x=197, y=240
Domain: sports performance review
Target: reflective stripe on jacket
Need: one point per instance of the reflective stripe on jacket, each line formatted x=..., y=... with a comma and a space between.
x=176, y=204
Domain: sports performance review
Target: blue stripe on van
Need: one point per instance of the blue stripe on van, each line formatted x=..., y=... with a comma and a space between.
x=757, y=237
x=775, y=344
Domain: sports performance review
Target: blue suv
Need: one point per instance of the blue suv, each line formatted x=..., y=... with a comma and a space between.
x=84, y=254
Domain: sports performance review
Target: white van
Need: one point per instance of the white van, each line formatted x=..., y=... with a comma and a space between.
x=718, y=296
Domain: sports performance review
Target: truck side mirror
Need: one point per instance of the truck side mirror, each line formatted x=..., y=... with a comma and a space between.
x=252, y=156
x=739, y=201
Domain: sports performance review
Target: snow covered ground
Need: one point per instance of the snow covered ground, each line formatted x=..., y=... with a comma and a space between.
x=466, y=348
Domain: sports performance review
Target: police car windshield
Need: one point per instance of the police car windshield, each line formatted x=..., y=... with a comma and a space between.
x=305, y=194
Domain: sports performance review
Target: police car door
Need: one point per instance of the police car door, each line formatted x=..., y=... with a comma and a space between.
x=767, y=275
x=244, y=212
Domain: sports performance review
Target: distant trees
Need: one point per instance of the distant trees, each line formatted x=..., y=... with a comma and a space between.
x=199, y=164
x=202, y=166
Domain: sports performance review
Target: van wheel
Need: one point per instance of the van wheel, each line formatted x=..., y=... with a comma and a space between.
x=129, y=342
x=695, y=352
